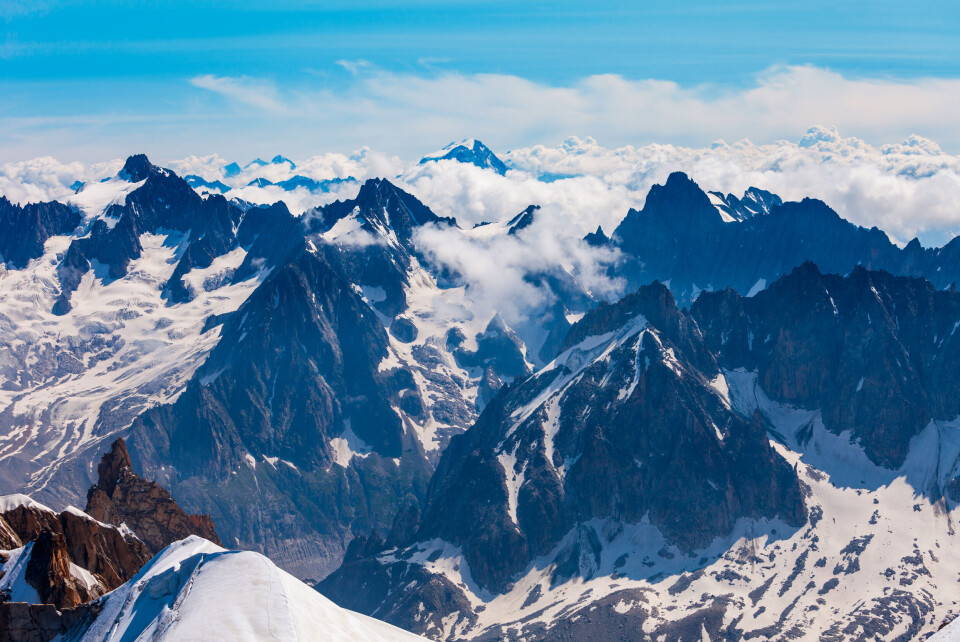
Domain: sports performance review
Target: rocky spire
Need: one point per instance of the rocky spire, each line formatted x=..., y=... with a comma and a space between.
x=120, y=496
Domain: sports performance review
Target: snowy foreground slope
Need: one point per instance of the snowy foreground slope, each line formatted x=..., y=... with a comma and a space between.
x=195, y=590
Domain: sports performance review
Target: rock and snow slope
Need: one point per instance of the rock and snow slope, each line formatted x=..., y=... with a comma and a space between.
x=555, y=516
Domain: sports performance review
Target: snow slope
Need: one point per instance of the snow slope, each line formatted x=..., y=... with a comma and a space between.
x=195, y=590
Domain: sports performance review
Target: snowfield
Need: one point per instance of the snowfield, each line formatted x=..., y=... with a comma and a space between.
x=195, y=590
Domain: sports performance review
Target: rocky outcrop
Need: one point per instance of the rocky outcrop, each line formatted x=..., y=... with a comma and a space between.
x=48, y=571
x=55, y=545
x=22, y=622
x=122, y=497
x=70, y=558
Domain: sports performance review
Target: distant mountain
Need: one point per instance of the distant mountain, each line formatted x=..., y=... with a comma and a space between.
x=696, y=242
x=197, y=182
x=470, y=151
x=281, y=160
x=312, y=185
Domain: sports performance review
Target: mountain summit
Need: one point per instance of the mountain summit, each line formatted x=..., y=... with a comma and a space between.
x=470, y=151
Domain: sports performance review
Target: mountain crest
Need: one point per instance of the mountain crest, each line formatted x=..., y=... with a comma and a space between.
x=470, y=151
x=137, y=168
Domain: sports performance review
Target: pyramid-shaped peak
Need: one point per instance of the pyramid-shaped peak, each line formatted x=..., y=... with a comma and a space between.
x=280, y=160
x=137, y=168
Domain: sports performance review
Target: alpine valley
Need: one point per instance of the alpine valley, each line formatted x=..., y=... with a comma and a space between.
x=726, y=417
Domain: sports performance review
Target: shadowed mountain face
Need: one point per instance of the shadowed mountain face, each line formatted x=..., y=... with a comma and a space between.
x=24, y=230
x=682, y=237
x=877, y=354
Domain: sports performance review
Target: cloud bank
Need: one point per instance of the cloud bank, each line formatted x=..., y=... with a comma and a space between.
x=403, y=111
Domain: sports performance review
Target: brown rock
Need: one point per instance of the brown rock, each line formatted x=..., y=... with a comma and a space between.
x=120, y=496
x=48, y=571
x=8, y=537
x=22, y=622
x=103, y=551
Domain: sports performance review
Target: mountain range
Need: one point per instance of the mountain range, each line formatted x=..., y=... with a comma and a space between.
x=757, y=437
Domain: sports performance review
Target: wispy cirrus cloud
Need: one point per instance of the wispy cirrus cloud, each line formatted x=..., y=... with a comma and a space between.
x=254, y=92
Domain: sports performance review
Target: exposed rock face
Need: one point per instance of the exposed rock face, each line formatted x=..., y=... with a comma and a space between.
x=695, y=243
x=24, y=230
x=48, y=571
x=123, y=497
x=53, y=542
x=22, y=622
x=877, y=354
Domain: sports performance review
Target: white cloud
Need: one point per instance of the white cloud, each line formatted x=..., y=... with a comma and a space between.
x=46, y=179
x=408, y=113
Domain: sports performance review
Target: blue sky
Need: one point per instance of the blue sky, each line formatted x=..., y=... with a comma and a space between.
x=85, y=79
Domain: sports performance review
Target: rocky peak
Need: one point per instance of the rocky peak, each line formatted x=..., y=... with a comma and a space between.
x=381, y=207
x=597, y=239
x=120, y=496
x=676, y=210
x=524, y=219
x=112, y=466
x=137, y=168
x=99, y=542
